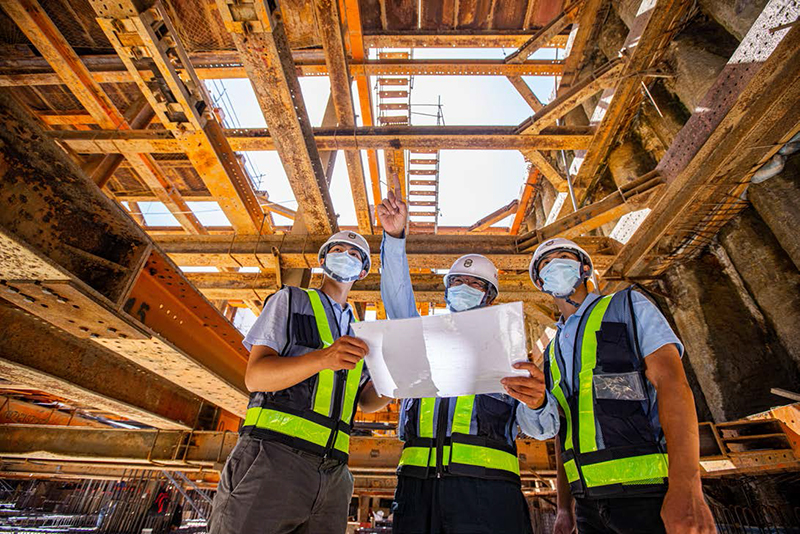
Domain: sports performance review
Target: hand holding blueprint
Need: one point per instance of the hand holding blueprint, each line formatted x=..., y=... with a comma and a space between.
x=445, y=355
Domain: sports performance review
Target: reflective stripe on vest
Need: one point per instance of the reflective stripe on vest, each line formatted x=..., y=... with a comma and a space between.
x=323, y=399
x=305, y=429
x=587, y=434
x=456, y=452
x=426, y=409
x=558, y=393
x=619, y=471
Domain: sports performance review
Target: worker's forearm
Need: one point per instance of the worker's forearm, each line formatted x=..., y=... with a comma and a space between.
x=564, y=499
x=679, y=421
x=274, y=373
x=370, y=401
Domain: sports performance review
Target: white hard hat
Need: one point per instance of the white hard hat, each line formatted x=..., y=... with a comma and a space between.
x=555, y=245
x=349, y=238
x=474, y=265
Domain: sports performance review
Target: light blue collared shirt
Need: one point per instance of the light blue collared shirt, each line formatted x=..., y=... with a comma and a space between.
x=653, y=332
x=270, y=326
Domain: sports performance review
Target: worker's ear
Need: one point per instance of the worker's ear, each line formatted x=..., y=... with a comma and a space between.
x=363, y=274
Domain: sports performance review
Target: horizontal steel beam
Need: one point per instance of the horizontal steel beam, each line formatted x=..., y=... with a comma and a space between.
x=177, y=450
x=424, y=251
x=427, y=287
x=360, y=138
x=234, y=70
x=457, y=39
x=370, y=457
x=34, y=353
x=14, y=410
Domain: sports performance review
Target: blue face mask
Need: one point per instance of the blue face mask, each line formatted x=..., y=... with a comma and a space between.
x=560, y=277
x=342, y=266
x=463, y=297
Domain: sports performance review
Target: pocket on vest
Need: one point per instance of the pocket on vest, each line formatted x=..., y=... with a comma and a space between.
x=305, y=332
x=614, y=352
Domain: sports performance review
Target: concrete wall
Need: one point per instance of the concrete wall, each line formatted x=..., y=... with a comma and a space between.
x=737, y=306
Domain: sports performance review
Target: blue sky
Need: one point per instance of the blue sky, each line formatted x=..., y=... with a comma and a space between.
x=472, y=183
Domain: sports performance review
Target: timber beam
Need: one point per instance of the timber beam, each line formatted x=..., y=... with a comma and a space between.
x=34, y=353
x=260, y=38
x=363, y=138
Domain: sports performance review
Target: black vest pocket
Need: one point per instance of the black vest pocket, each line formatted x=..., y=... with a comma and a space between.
x=305, y=332
x=614, y=354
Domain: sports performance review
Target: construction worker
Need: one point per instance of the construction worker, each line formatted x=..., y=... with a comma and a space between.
x=459, y=471
x=614, y=374
x=288, y=472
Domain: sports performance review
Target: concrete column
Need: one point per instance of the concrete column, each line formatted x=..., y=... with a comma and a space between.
x=697, y=56
x=612, y=36
x=735, y=357
x=768, y=274
x=736, y=16
x=629, y=160
x=778, y=203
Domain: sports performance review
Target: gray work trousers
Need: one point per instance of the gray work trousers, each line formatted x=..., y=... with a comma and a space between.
x=267, y=487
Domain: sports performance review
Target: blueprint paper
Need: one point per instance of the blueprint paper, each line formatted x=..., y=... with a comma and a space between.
x=461, y=353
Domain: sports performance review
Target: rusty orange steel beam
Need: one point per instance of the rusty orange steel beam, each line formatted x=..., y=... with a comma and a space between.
x=330, y=30
x=351, y=14
x=494, y=217
x=182, y=105
x=81, y=264
x=260, y=37
x=650, y=34
x=234, y=69
x=526, y=199
x=588, y=21
x=363, y=138
x=456, y=39
x=41, y=30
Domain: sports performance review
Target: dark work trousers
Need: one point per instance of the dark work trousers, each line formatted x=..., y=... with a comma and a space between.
x=267, y=487
x=631, y=515
x=459, y=505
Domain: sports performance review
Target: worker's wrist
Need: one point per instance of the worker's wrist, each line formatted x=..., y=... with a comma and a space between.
x=320, y=359
x=566, y=508
x=541, y=404
x=395, y=235
x=685, y=480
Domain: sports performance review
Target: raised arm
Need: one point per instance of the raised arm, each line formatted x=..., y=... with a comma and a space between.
x=397, y=292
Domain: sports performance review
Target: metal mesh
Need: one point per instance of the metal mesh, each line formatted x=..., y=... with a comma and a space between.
x=75, y=19
x=10, y=34
x=199, y=25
